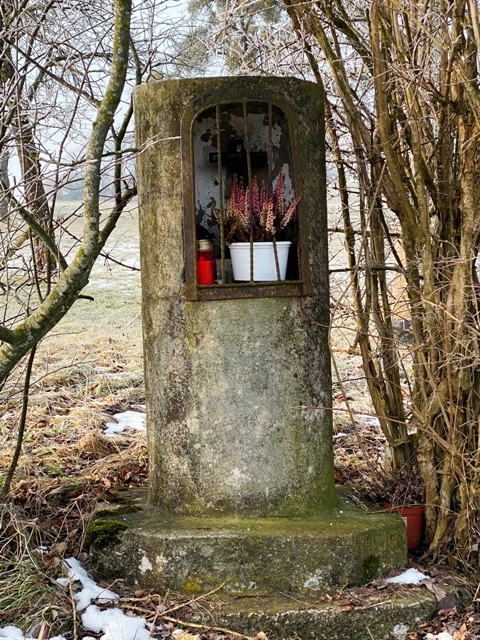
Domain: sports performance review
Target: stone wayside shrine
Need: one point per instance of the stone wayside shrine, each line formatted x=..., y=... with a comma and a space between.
x=237, y=369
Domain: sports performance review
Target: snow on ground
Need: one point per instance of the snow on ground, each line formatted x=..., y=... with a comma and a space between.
x=90, y=591
x=12, y=633
x=126, y=420
x=114, y=624
x=410, y=576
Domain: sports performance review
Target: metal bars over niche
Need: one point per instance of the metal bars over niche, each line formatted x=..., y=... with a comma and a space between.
x=242, y=193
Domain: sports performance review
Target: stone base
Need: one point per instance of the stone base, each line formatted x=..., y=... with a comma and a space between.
x=194, y=555
x=280, y=616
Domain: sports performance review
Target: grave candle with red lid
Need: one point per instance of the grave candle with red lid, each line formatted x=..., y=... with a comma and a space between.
x=205, y=262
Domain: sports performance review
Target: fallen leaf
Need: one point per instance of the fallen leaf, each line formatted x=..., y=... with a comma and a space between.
x=461, y=634
x=344, y=602
x=59, y=548
x=447, y=603
x=52, y=562
x=185, y=635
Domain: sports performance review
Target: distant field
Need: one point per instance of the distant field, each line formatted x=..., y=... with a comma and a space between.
x=115, y=311
x=99, y=340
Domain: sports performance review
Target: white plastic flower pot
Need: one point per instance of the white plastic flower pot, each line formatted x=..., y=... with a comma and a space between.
x=264, y=268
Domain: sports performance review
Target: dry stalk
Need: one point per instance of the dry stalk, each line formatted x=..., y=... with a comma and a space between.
x=201, y=627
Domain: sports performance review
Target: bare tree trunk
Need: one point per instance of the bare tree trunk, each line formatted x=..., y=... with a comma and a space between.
x=34, y=189
x=4, y=183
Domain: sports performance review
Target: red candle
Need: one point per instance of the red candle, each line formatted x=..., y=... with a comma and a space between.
x=206, y=267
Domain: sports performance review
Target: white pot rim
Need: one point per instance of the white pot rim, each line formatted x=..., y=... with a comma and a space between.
x=282, y=243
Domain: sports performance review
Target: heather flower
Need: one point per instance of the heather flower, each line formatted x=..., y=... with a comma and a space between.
x=257, y=210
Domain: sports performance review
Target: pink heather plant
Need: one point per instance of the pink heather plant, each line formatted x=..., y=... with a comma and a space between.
x=270, y=214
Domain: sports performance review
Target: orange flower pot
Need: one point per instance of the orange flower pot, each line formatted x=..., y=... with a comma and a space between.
x=413, y=515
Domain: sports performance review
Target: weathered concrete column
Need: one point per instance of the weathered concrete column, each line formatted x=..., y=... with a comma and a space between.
x=238, y=390
x=237, y=384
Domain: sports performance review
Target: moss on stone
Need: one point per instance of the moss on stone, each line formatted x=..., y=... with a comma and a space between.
x=371, y=568
x=101, y=533
x=191, y=587
x=117, y=510
x=195, y=554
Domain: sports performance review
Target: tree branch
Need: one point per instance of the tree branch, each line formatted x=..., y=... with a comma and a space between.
x=7, y=335
x=39, y=231
x=75, y=277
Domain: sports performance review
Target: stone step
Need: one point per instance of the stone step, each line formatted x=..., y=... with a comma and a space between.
x=186, y=554
x=392, y=617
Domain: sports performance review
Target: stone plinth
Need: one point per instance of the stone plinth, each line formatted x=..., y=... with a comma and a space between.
x=307, y=618
x=192, y=554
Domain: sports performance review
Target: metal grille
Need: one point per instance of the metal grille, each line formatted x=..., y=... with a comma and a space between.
x=247, y=139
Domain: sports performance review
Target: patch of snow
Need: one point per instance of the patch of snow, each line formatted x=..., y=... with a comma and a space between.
x=90, y=590
x=443, y=635
x=410, y=576
x=126, y=420
x=112, y=623
x=11, y=633
x=14, y=633
x=115, y=624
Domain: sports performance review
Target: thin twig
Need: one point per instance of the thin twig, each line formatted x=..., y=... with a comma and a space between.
x=74, y=610
x=192, y=625
x=21, y=428
x=190, y=602
x=375, y=604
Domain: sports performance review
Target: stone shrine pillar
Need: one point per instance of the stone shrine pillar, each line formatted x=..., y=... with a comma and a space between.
x=237, y=369
x=237, y=374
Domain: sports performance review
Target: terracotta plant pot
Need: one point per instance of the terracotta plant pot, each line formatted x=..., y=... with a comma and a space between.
x=413, y=516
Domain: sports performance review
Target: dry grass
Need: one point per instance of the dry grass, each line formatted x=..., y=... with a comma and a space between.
x=29, y=593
